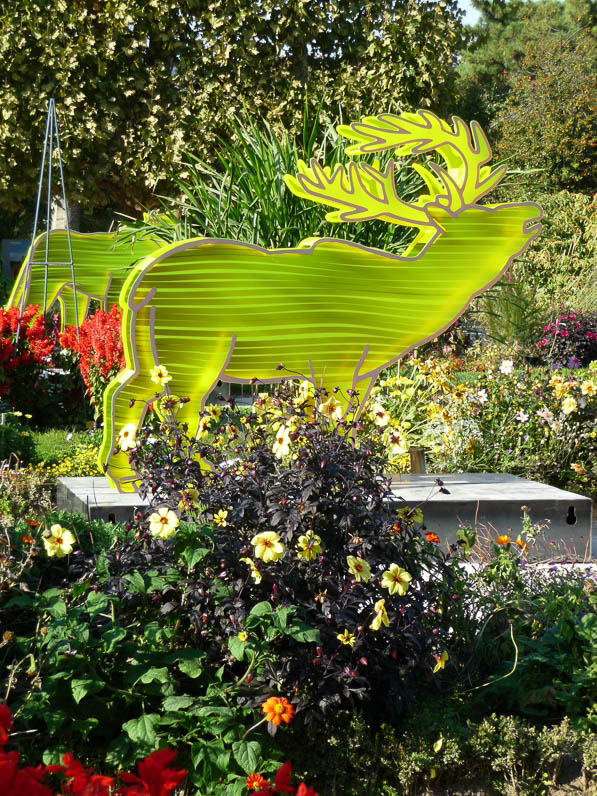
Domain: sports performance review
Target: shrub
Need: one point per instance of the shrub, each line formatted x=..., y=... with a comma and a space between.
x=500, y=418
x=570, y=341
x=561, y=262
x=99, y=352
x=22, y=360
x=16, y=439
x=23, y=494
x=103, y=669
x=548, y=119
x=305, y=546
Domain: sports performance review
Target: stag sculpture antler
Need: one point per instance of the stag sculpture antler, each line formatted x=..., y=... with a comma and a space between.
x=362, y=191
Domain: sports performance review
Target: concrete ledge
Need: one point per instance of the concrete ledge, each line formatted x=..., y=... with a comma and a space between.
x=95, y=499
x=491, y=503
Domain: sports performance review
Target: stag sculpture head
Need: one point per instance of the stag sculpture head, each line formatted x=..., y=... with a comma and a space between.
x=361, y=191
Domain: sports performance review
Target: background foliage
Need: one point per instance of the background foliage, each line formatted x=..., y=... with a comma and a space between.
x=137, y=84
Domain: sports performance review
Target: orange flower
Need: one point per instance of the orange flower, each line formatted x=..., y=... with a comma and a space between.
x=255, y=781
x=32, y=523
x=278, y=710
x=27, y=539
x=503, y=539
x=523, y=545
x=432, y=537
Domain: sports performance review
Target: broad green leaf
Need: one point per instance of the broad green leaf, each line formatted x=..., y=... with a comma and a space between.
x=192, y=667
x=143, y=728
x=261, y=609
x=301, y=632
x=237, y=647
x=193, y=555
x=112, y=637
x=82, y=687
x=54, y=755
x=177, y=703
x=57, y=609
x=246, y=754
x=136, y=582
x=119, y=752
x=160, y=675
x=96, y=602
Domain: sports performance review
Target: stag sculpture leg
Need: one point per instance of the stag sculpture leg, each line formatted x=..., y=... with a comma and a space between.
x=135, y=388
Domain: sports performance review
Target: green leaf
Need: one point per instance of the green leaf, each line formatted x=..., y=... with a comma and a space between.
x=119, y=753
x=193, y=555
x=237, y=647
x=216, y=720
x=111, y=638
x=213, y=752
x=261, y=609
x=51, y=593
x=82, y=687
x=192, y=666
x=57, y=609
x=54, y=755
x=300, y=631
x=136, y=582
x=96, y=602
x=79, y=589
x=280, y=618
x=160, y=675
x=55, y=719
x=177, y=703
x=84, y=726
x=246, y=754
x=143, y=729
x=157, y=634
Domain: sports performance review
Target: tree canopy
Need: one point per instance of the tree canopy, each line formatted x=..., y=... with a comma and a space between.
x=138, y=83
x=498, y=44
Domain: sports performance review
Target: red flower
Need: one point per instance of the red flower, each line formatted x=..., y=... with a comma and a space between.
x=84, y=782
x=154, y=779
x=99, y=349
x=16, y=781
x=432, y=537
x=282, y=784
x=5, y=724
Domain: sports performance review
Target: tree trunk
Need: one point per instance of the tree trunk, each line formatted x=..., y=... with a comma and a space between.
x=58, y=217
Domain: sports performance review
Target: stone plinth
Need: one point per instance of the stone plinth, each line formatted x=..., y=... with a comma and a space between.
x=96, y=499
x=491, y=503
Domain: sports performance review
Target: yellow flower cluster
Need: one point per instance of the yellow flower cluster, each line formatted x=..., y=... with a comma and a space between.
x=81, y=462
x=571, y=390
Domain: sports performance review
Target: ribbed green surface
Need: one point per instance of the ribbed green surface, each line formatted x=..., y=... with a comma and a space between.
x=336, y=312
x=100, y=267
